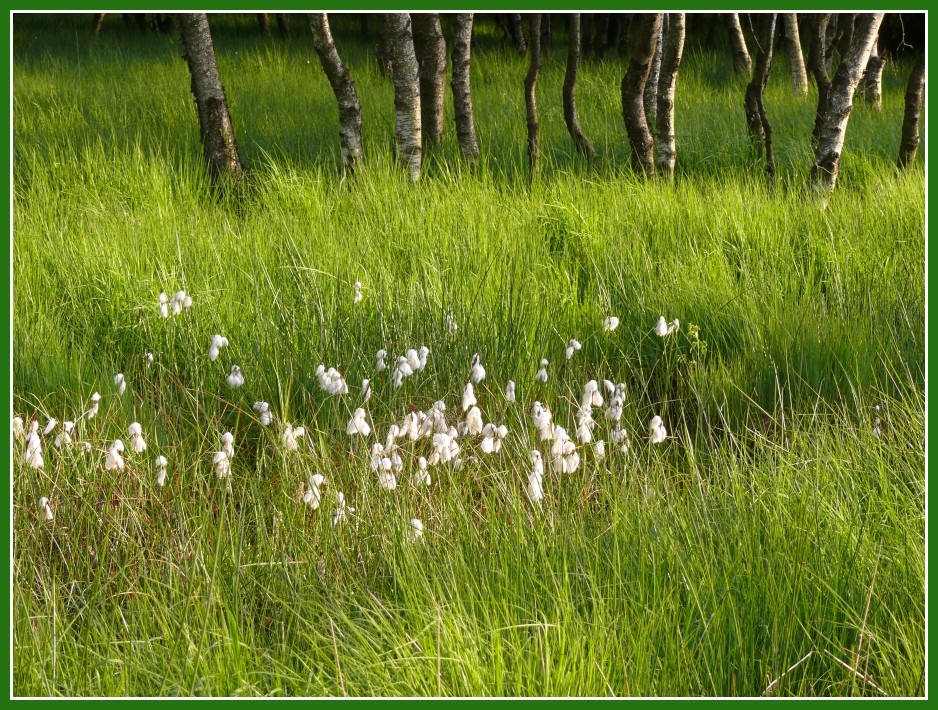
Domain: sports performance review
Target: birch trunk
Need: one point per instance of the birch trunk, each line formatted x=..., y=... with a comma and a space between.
x=914, y=99
x=651, y=86
x=647, y=28
x=742, y=63
x=760, y=130
x=350, y=110
x=819, y=62
x=840, y=102
x=871, y=84
x=430, y=47
x=215, y=128
x=671, y=56
x=799, y=76
x=517, y=32
x=570, y=116
x=462, y=94
x=406, y=75
x=530, y=92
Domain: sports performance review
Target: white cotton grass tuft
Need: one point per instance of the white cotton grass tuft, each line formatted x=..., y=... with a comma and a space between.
x=18, y=431
x=366, y=390
x=610, y=324
x=179, y=301
x=331, y=380
x=342, y=510
x=415, y=531
x=663, y=328
x=235, y=378
x=492, y=438
x=535, y=486
x=218, y=342
x=45, y=509
x=34, y=447
x=543, y=420
x=401, y=370
x=114, y=460
x=163, y=301
x=50, y=425
x=599, y=449
x=357, y=298
x=161, y=463
x=357, y=425
x=380, y=357
x=227, y=445
x=422, y=476
x=290, y=436
x=95, y=405
x=572, y=346
x=468, y=397
x=477, y=373
x=312, y=496
x=135, y=431
x=541, y=375
x=263, y=412
x=510, y=391
x=473, y=424
x=656, y=430
x=120, y=383
x=222, y=464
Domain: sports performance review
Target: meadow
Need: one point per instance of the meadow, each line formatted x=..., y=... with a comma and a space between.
x=783, y=515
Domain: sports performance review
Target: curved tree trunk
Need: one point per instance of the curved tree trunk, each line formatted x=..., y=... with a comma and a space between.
x=530, y=92
x=462, y=94
x=517, y=32
x=406, y=76
x=914, y=98
x=350, y=110
x=651, y=86
x=647, y=27
x=570, y=116
x=215, y=128
x=819, y=61
x=671, y=55
x=799, y=77
x=742, y=64
x=871, y=84
x=430, y=47
x=760, y=130
x=840, y=103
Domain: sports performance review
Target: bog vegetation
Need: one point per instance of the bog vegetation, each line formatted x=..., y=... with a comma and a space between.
x=568, y=431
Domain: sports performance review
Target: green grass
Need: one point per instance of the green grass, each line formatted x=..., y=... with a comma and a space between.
x=771, y=524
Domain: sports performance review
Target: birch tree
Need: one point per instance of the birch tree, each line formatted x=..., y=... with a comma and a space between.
x=651, y=86
x=350, y=110
x=406, y=75
x=760, y=130
x=671, y=55
x=215, y=127
x=530, y=91
x=840, y=102
x=914, y=98
x=742, y=63
x=570, y=115
x=799, y=76
x=430, y=48
x=647, y=28
x=462, y=92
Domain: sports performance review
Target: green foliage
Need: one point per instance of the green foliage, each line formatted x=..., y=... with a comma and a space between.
x=772, y=523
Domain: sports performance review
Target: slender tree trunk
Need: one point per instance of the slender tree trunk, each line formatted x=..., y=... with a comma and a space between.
x=760, y=130
x=406, y=76
x=647, y=27
x=671, y=55
x=742, y=64
x=840, y=103
x=530, y=92
x=517, y=32
x=263, y=22
x=350, y=110
x=819, y=61
x=283, y=24
x=799, y=76
x=215, y=128
x=570, y=116
x=846, y=22
x=462, y=94
x=651, y=86
x=96, y=23
x=430, y=47
x=914, y=99
x=586, y=34
x=871, y=84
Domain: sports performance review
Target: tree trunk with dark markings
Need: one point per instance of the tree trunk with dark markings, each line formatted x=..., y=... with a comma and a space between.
x=570, y=116
x=671, y=55
x=760, y=130
x=430, y=47
x=914, y=99
x=646, y=27
x=742, y=63
x=406, y=75
x=462, y=93
x=530, y=92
